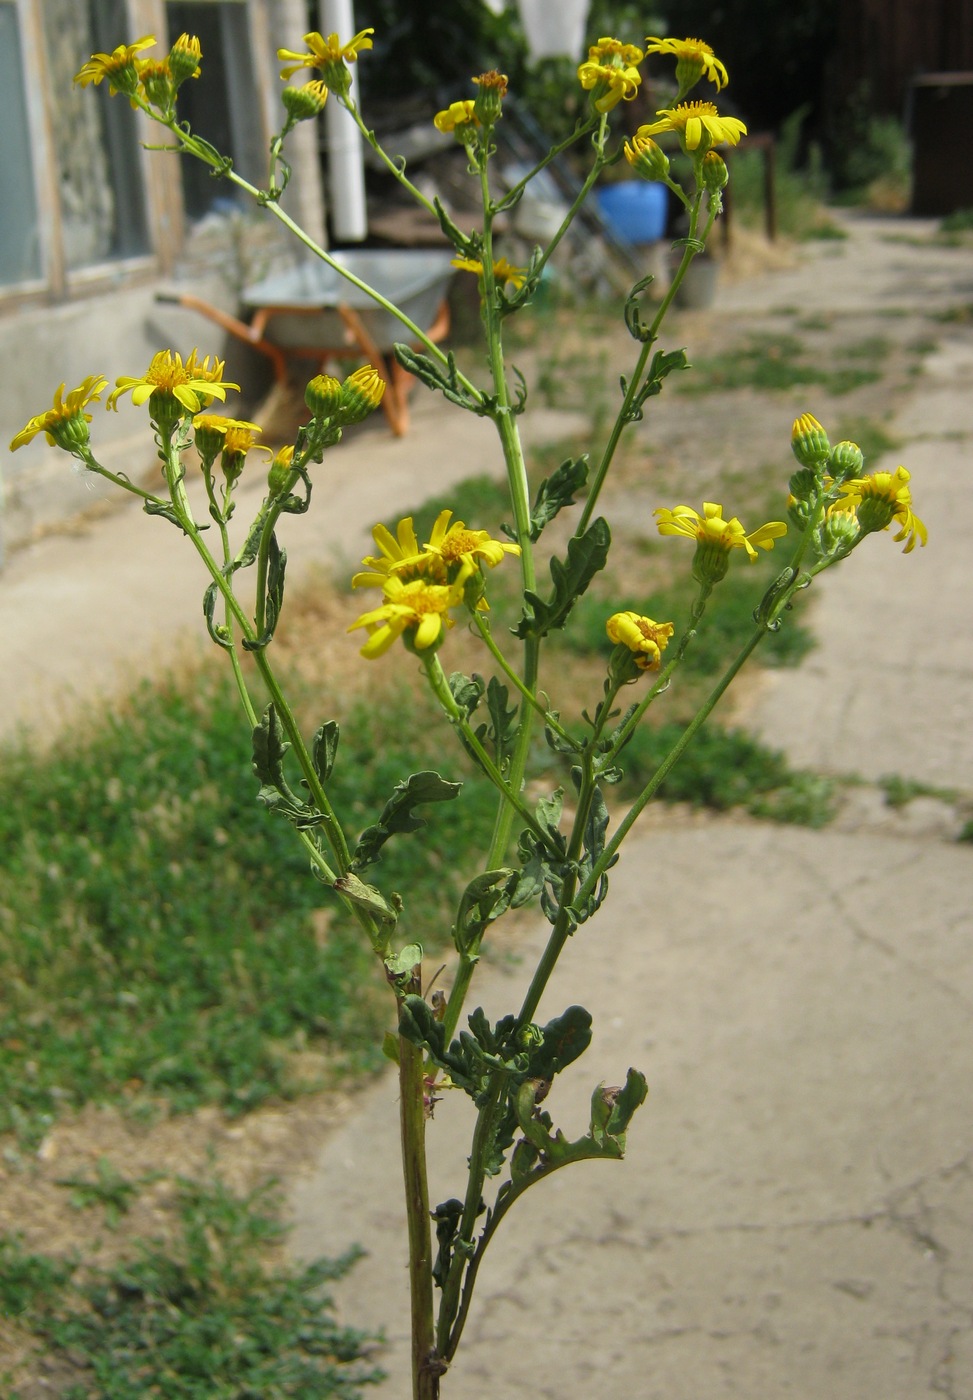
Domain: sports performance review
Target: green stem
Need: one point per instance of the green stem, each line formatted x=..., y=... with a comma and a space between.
x=635, y=383
x=482, y=625
x=513, y=456
x=510, y=197
x=332, y=827
x=442, y=692
x=191, y=146
x=392, y=166
x=667, y=765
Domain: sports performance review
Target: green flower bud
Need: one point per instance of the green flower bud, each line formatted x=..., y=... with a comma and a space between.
x=809, y=442
x=803, y=484
x=715, y=173
x=838, y=534
x=361, y=394
x=647, y=158
x=323, y=395
x=304, y=102
x=184, y=59
x=492, y=89
x=280, y=471
x=846, y=461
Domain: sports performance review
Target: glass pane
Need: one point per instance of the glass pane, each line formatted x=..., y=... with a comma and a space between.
x=94, y=136
x=219, y=107
x=20, y=259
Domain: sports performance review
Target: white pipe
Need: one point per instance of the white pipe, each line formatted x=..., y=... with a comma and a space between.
x=554, y=28
x=346, y=170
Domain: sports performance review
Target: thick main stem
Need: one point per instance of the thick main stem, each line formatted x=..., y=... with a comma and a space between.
x=426, y=1368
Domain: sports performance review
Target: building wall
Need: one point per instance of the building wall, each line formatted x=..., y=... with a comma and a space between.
x=102, y=226
x=886, y=43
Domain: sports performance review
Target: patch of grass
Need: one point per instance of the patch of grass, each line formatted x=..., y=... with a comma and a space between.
x=725, y=768
x=108, y=1189
x=198, y=1318
x=870, y=435
x=775, y=363
x=156, y=934
x=899, y=791
x=28, y=1281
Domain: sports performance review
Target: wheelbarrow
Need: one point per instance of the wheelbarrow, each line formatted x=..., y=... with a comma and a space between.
x=312, y=312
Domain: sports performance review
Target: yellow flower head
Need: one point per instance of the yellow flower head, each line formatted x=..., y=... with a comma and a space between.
x=119, y=67
x=716, y=537
x=879, y=499
x=193, y=386
x=503, y=271
x=397, y=554
x=460, y=550
x=329, y=55
x=234, y=437
x=416, y=608
x=698, y=125
x=645, y=639
x=610, y=74
x=66, y=424
x=459, y=118
x=694, y=60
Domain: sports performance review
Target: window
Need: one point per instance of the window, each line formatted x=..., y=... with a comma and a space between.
x=221, y=109
x=20, y=254
x=93, y=137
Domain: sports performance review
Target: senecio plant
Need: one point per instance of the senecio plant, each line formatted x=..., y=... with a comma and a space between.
x=548, y=854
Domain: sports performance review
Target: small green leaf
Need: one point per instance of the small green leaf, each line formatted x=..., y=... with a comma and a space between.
x=502, y=729
x=390, y=1047
x=365, y=897
x=485, y=898
x=587, y=556
x=636, y=326
x=403, y=962
x=398, y=814
x=274, y=599
x=557, y=491
x=324, y=747
x=217, y=631
x=467, y=691
x=564, y=1038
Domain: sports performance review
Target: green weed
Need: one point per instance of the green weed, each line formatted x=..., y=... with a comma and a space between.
x=775, y=363
x=108, y=1189
x=870, y=435
x=148, y=956
x=725, y=768
x=199, y=1318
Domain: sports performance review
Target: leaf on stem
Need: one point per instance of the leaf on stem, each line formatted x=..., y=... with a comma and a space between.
x=217, y=630
x=557, y=491
x=269, y=750
x=399, y=815
x=274, y=597
x=663, y=363
x=484, y=900
x=324, y=747
x=587, y=556
x=434, y=376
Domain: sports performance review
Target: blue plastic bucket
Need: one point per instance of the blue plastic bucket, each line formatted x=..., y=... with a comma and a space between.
x=634, y=210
